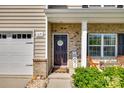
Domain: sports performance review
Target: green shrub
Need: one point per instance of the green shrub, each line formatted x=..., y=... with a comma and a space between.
x=110, y=77
x=115, y=74
x=88, y=78
x=113, y=82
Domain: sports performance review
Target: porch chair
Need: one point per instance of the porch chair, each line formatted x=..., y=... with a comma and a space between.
x=91, y=63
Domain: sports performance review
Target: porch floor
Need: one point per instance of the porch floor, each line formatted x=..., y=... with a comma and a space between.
x=59, y=69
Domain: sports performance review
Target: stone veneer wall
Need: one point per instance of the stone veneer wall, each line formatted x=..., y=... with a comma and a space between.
x=106, y=28
x=40, y=68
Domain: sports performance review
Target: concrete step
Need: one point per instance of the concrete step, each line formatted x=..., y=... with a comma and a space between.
x=59, y=80
x=59, y=76
x=59, y=83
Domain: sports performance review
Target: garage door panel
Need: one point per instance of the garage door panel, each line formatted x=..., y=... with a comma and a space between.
x=20, y=48
x=16, y=49
x=6, y=68
x=19, y=51
x=16, y=54
x=15, y=59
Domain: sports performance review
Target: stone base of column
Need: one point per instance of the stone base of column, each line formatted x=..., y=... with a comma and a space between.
x=40, y=68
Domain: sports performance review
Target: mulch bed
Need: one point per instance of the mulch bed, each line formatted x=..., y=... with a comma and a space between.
x=37, y=83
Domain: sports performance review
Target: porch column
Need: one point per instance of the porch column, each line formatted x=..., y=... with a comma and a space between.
x=84, y=44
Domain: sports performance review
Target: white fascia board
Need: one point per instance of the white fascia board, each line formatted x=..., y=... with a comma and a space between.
x=83, y=10
x=84, y=13
x=90, y=20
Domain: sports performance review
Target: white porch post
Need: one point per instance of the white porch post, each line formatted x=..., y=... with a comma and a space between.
x=84, y=44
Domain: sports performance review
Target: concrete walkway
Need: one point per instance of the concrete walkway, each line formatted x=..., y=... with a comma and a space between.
x=59, y=80
x=14, y=81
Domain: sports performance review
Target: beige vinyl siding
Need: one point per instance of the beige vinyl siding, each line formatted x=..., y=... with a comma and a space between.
x=25, y=17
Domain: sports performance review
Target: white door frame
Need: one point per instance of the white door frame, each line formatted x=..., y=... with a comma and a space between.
x=57, y=33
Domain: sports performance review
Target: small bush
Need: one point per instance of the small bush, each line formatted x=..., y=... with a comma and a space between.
x=116, y=76
x=110, y=77
x=88, y=78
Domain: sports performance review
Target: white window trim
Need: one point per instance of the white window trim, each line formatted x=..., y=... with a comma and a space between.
x=102, y=44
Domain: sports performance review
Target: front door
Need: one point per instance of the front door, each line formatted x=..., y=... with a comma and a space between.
x=60, y=50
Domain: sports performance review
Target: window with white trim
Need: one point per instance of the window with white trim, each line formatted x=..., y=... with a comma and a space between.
x=3, y=36
x=94, y=45
x=102, y=45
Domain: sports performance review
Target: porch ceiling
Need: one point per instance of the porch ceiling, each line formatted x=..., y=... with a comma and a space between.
x=91, y=15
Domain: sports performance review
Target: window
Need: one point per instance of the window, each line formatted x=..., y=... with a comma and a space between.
x=14, y=36
x=120, y=44
x=84, y=6
x=94, y=6
x=95, y=50
x=94, y=45
x=109, y=45
x=119, y=6
x=19, y=36
x=28, y=36
x=102, y=45
x=24, y=36
x=4, y=36
x=109, y=6
x=57, y=6
x=109, y=51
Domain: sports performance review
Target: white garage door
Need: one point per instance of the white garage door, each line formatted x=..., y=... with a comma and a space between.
x=16, y=53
